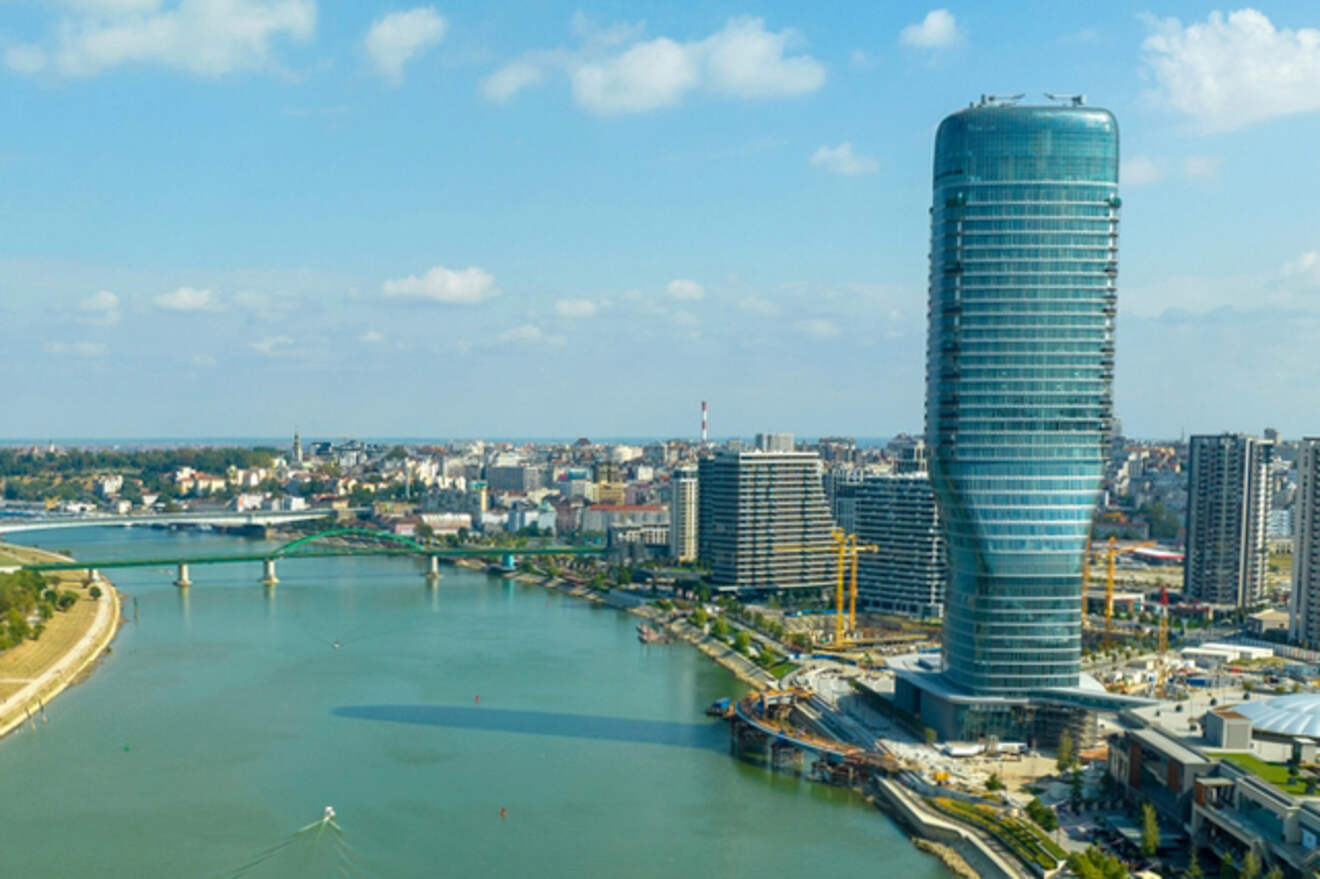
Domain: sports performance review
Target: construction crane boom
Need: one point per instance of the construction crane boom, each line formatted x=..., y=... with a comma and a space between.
x=846, y=547
x=1112, y=552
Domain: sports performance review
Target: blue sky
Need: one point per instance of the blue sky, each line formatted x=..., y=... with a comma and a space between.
x=228, y=217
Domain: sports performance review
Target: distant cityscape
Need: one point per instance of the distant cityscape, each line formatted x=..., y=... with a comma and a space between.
x=1017, y=574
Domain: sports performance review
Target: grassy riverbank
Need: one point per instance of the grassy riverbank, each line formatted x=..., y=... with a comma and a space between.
x=34, y=672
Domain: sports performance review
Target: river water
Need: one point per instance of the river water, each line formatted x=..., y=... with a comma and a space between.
x=226, y=719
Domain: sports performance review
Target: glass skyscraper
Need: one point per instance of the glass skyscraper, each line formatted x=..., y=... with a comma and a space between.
x=1023, y=290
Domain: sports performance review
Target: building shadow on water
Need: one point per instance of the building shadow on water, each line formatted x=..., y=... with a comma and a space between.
x=710, y=736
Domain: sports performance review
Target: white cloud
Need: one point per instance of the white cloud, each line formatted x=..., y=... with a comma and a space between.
x=530, y=334
x=24, y=58
x=1139, y=171
x=745, y=60
x=1201, y=167
x=1235, y=70
x=646, y=76
x=842, y=160
x=576, y=308
x=271, y=345
x=102, y=307
x=1143, y=170
x=76, y=349
x=1306, y=268
x=372, y=337
x=682, y=288
x=189, y=299
x=860, y=59
x=204, y=361
x=938, y=30
x=204, y=37
x=397, y=38
x=467, y=286
x=741, y=60
x=267, y=306
x=112, y=7
x=758, y=305
x=818, y=327
x=502, y=85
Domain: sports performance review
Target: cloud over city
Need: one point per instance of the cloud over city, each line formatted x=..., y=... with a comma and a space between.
x=614, y=71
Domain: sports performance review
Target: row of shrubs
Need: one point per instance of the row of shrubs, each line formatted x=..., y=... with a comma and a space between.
x=1030, y=845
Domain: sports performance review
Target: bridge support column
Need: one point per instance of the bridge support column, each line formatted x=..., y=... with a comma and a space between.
x=268, y=577
x=433, y=569
x=93, y=577
x=182, y=580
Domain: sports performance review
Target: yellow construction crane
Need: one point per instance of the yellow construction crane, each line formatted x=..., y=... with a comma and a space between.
x=1161, y=672
x=844, y=546
x=1112, y=552
x=854, y=550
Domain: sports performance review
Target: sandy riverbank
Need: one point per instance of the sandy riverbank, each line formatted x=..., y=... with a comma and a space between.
x=42, y=678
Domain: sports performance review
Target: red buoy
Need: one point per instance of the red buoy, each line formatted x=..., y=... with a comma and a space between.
x=478, y=700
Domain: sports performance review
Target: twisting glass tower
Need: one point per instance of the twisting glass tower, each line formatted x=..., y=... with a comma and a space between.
x=1024, y=249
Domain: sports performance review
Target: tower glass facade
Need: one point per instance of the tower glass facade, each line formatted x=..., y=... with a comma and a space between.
x=1023, y=290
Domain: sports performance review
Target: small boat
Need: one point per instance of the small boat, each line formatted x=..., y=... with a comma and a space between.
x=719, y=707
x=648, y=635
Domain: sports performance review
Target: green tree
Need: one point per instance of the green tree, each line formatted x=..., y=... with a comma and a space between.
x=1228, y=867
x=1275, y=872
x=1250, y=866
x=719, y=628
x=993, y=783
x=930, y=735
x=1095, y=864
x=1065, y=751
x=95, y=592
x=699, y=617
x=1193, y=870
x=1075, y=788
x=742, y=642
x=1043, y=815
x=1150, y=830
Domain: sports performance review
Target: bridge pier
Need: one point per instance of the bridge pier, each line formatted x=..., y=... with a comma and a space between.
x=433, y=570
x=93, y=577
x=182, y=580
x=268, y=577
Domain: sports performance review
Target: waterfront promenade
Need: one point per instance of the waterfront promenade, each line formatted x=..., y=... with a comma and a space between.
x=35, y=672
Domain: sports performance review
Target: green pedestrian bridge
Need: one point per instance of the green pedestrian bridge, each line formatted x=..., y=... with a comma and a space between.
x=322, y=544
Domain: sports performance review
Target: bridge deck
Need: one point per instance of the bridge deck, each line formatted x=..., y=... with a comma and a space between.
x=450, y=552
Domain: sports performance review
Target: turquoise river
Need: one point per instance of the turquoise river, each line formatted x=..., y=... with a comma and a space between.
x=226, y=719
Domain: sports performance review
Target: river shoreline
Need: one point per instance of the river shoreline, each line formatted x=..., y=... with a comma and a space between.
x=72, y=667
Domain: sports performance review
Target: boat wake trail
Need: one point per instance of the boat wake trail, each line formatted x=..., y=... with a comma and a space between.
x=315, y=850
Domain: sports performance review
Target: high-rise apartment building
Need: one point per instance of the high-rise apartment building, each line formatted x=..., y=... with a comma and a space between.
x=1304, y=622
x=1020, y=361
x=683, y=514
x=842, y=485
x=775, y=442
x=755, y=506
x=1228, y=505
x=897, y=514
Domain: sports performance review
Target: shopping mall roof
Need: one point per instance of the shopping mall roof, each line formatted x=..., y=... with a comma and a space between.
x=1295, y=715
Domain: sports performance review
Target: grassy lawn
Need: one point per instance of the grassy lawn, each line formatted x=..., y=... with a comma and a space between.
x=1275, y=773
x=779, y=669
x=21, y=555
x=63, y=630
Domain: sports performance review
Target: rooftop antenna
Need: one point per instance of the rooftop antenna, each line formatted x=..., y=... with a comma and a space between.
x=1074, y=100
x=1001, y=100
